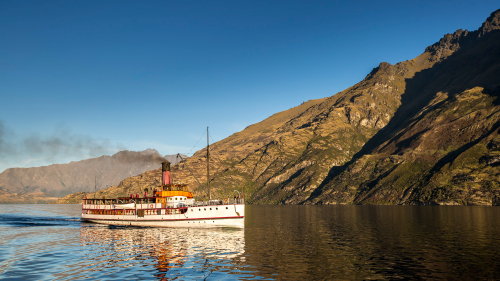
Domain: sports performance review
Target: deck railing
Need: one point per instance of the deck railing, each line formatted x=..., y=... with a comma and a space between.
x=188, y=203
x=179, y=204
x=226, y=201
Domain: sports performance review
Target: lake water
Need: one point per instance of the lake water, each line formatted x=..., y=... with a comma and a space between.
x=49, y=242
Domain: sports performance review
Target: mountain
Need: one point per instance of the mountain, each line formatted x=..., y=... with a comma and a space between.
x=442, y=145
x=61, y=179
x=423, y=131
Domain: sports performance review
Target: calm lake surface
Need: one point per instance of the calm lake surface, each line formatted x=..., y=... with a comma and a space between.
x=49, y=242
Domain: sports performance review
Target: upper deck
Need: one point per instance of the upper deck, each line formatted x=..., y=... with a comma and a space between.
x=170, y=190
x=150, y=203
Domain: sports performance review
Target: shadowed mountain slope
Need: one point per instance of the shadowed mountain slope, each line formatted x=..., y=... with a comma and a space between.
x=423, y=131
x=441, y=146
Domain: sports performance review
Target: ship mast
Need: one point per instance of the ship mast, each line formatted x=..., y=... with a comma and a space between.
x=208, y=167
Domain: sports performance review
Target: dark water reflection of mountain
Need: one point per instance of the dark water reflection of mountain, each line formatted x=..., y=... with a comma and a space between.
x=374, y=242
x=47, y=242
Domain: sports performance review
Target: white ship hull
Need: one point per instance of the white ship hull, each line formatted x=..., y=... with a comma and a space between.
x=231, y=215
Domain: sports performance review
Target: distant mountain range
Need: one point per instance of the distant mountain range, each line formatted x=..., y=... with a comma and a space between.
x=423, y=131
x=49, y=182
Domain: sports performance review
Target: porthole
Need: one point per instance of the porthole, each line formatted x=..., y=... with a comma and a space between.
x=226, y=208
x=216, y=209
x=204, y=209
x=199, y=209
x=210, y=209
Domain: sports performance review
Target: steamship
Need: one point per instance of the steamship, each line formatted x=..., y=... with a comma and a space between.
x=171, y=205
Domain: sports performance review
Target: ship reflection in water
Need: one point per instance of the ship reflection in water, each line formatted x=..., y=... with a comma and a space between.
x=174, y=252
x=50, y=242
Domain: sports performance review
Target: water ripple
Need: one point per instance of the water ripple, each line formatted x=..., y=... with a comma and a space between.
x=39, y=242
x=45, y=245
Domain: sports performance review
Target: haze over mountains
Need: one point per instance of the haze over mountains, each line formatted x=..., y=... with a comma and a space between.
x=423, y=131
x=47, y=182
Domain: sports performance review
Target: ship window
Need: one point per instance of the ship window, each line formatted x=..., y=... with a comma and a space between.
x=216, y=208
x=204, y=209
x=210, y=209
x=226, y=208
x=175, y=198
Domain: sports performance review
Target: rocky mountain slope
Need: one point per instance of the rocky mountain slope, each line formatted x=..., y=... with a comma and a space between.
x=442, y=145
x=61, y=179
x=423, y=131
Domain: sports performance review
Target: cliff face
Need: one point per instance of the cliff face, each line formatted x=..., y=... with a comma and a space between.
x=442, y=145
x=62, y=179
x=389, y=112
x=423, y=131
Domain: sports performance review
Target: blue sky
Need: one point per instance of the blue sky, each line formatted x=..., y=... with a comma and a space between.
x=80, y=79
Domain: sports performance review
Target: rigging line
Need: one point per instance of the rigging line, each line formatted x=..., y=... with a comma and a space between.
x=212, y=139
x=213, y=142
x=221, y=173
x=212, y=148
x=196, y=143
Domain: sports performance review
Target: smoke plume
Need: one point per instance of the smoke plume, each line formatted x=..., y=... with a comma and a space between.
x=60, y=146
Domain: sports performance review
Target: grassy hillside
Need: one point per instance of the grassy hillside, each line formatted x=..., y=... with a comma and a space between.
x=441, y=147
x=423, y=131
